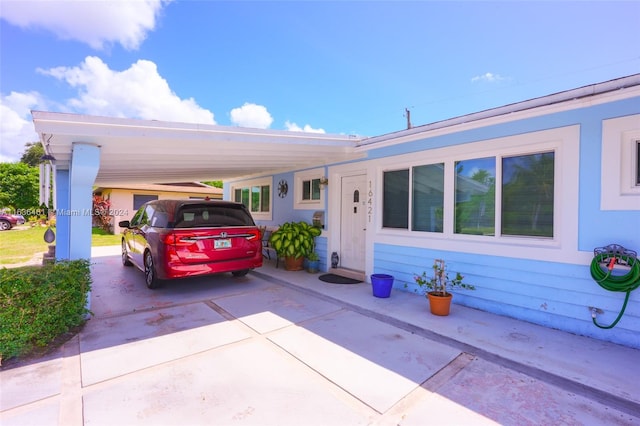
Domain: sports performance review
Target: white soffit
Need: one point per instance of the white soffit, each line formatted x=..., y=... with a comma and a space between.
x=147, y=151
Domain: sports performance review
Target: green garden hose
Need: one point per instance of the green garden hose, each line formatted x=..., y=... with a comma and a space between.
x=624, y=283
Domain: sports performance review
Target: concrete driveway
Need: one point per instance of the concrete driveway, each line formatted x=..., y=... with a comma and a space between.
x=252, y=351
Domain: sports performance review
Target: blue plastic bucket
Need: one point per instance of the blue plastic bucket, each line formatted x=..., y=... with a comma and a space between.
x=381, y=284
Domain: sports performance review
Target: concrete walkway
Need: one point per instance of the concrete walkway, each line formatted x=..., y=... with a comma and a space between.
x=284, y=348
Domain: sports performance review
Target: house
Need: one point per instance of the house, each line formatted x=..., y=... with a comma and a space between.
x=515, y=198
x=125, y=199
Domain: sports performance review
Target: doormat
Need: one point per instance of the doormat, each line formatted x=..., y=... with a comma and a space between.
x=337, y=279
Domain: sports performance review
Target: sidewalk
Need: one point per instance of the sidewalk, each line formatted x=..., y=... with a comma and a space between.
x=606, y=371
x=284, y=348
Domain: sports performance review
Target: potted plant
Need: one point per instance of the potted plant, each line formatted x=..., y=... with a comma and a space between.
x=294, y=241
x=313, y=262
x=435, y=287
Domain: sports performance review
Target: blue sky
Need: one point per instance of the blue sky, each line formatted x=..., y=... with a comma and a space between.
x=345, y=67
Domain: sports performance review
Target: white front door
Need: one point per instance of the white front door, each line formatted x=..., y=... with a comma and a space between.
x=353, y=222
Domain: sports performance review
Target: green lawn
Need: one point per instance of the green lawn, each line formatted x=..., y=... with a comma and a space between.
x=21, y=244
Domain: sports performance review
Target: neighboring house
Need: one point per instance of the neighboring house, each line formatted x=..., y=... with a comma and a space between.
x=126, y=199
x=515, y=198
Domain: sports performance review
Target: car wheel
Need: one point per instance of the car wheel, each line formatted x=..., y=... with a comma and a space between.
x=125, y=255
x=4, y=225
x=150, y=276
x=240, y=273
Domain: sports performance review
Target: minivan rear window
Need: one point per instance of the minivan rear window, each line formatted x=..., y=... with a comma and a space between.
x=204, y=216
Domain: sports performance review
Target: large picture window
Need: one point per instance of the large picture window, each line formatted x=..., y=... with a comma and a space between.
x=523, y=206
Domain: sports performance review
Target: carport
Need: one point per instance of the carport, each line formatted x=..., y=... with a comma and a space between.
x=87, y=150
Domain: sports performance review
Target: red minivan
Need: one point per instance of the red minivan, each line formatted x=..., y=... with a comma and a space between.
x=181, y=238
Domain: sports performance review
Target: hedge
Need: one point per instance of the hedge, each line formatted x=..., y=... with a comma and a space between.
x=40, y=303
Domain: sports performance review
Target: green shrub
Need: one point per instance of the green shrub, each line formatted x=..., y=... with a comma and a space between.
x=38, y=304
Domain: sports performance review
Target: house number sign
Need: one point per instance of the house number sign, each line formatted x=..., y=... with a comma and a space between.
x=370, y=202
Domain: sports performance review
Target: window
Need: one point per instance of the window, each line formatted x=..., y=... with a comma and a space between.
x=620, y=164
x=140, y=199
x=308, y=189
x=427, y=201
x=527, y=195
x=475, y=196
x=523, y=206
x=137, y=217
x=637, y=168
x=265, y=198
x=205, y=216
x=491, y=178
x=256, y=196
x=428, y=198
x=311, y=190
x=395, y=199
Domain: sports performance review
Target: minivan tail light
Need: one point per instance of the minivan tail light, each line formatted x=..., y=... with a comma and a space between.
x=178, y=239
x=254, y=235
x=169, y=239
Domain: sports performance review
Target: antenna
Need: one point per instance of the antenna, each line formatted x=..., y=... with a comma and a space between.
x=408, y=115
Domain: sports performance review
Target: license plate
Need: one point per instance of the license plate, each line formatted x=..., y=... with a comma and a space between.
x=218, y=244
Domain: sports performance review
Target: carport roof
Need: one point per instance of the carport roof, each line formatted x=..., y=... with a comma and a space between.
x=150, y=151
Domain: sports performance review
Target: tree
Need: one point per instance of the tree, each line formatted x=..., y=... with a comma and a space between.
x=19, y=186
x=32, y=154
x=214, y=183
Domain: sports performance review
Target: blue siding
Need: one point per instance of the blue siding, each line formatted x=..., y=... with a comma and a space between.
x=548, y=293
x=321, y=249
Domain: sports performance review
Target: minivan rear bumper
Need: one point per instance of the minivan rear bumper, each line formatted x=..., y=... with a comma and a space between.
x=181, y=270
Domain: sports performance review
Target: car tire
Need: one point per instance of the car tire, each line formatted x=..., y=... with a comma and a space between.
x=241, y=273
x=4, y=225
x=125, y=255
x=150, y=276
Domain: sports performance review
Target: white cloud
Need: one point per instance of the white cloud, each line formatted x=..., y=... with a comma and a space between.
x=293, y=127
x=96, y=23
x=16, y=127
x=137, y=92
x=488, y=77
x=251, y=115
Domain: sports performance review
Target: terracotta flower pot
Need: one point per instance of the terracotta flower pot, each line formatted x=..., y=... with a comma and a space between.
x=439, y=305
x=293, y=264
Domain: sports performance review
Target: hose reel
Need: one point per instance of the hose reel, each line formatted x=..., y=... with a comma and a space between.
x=615, y=268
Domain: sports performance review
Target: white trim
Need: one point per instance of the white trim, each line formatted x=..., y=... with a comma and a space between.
x=563, y=247
x=263, y=181
x=619, y=190
x=298, y=179
x=332, y=231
